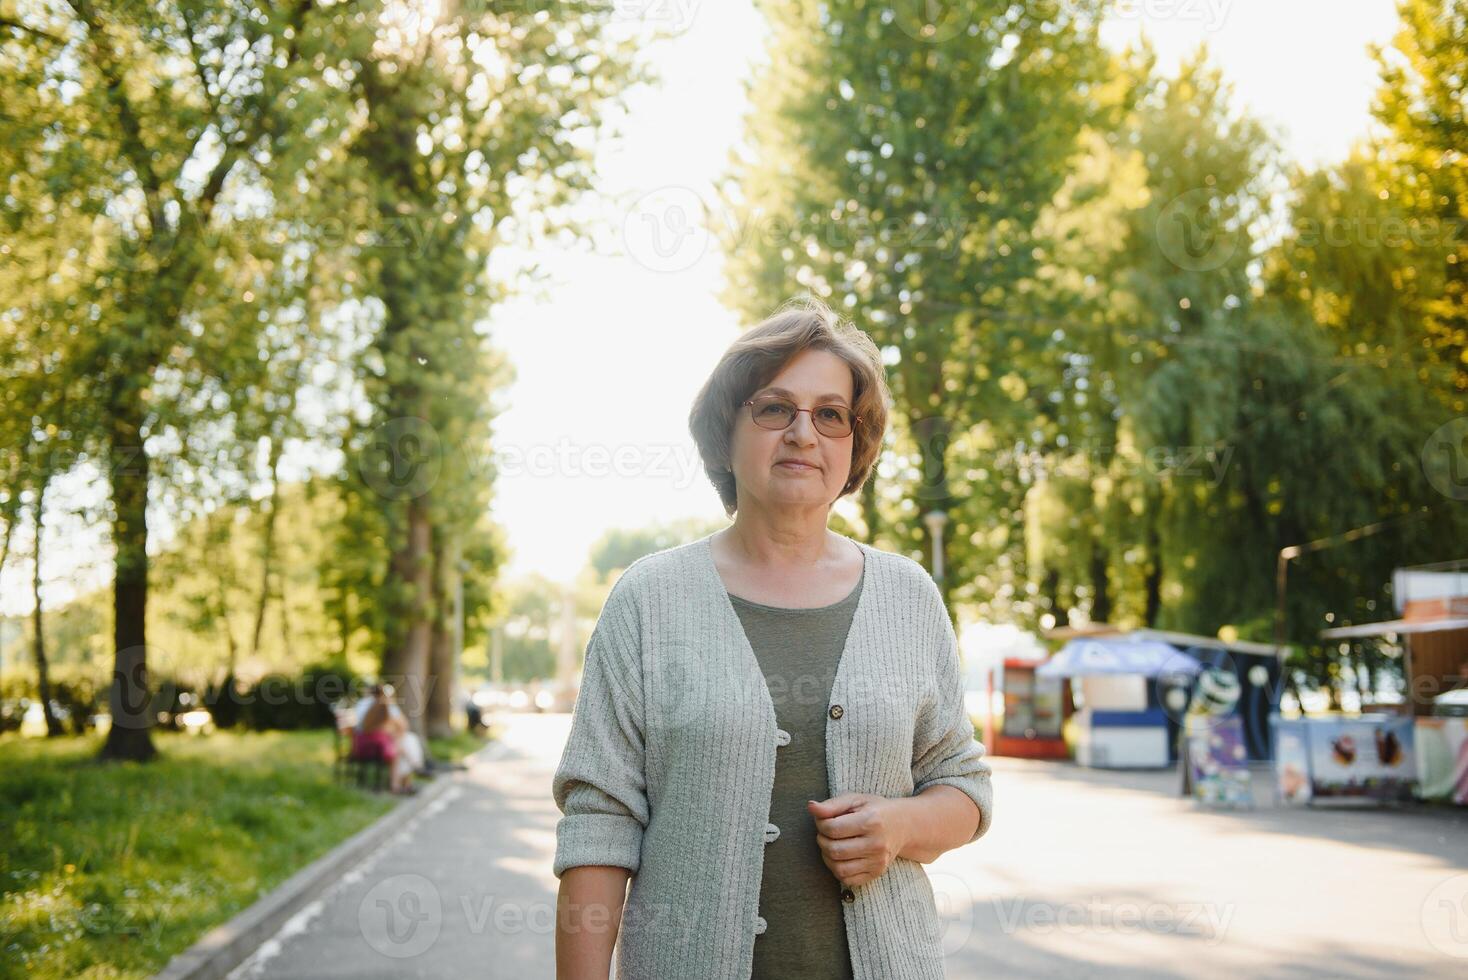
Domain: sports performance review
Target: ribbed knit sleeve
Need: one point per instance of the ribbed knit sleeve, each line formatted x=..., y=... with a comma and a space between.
x=945, y=749
x=600, y=784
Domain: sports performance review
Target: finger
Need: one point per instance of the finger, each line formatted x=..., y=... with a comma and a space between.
x=835, y=805
x=854, y=872
x=846, y=849
x=851, y=824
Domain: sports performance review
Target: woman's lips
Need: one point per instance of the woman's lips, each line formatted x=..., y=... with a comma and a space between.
x=789, y=464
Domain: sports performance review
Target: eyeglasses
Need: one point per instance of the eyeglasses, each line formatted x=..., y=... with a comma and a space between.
x=776, y=412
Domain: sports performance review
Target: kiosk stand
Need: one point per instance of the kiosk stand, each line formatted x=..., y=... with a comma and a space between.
x=1035, y=708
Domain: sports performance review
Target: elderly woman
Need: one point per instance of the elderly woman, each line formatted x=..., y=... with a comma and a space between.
x=770, y=738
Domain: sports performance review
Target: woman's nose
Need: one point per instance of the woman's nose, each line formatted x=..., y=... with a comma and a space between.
x=802, y=430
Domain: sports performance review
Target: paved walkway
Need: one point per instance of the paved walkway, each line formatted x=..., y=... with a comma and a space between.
x=1085, y=873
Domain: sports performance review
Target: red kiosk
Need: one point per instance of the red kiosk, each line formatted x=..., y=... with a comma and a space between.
x=1035, y=708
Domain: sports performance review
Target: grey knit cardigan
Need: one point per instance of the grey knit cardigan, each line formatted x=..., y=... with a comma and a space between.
x=670, y=763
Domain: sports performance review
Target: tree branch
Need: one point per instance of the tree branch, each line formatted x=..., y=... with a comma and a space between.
x=190, y=29
x=32, y=31
x=133, y=145
x=233, y=150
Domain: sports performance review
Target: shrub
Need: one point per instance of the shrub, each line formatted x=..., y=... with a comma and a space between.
x=281, y=702
x=78, y=700
x=224, y=701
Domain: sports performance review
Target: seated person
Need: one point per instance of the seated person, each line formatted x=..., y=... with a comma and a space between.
x=408, y=741
x=379, y=736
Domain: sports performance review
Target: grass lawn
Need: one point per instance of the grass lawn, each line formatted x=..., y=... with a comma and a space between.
x=108, y=871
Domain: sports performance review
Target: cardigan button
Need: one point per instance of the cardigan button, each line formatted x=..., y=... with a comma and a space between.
x=771, y=832
x=782, y=737
x=836, y=711
x=759, y=925
x=848, y=896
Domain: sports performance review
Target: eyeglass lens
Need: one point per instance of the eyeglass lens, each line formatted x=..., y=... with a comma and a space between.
x=777, y=413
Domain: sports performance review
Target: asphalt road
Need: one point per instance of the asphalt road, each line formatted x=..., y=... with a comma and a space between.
x=1085, y=873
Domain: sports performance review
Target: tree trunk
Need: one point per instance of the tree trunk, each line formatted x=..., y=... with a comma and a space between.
x=267, y=548
x=931, y=434
x=43, y=674
x=1100, y=584
x=11, y=509
x=129, y=736
x=224, y=624
x=406, y=665
x=443, y=659
x=1153, y=583
x=1050, y=589
x=870, y=514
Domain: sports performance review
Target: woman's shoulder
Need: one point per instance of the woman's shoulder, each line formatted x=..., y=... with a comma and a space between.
x=675, y=563
x=899, y=572
x=669, y=575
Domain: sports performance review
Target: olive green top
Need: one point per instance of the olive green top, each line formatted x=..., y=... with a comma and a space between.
x=799, y=898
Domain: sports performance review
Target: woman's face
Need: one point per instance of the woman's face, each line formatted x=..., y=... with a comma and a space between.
x=760, y=455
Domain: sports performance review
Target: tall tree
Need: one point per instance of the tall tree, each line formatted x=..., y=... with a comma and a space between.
x=472, y=119
x=896, y=167
x=149, y=119
x=1423, y=105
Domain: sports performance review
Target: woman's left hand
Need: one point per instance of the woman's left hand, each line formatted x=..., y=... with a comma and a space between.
x=859, y=834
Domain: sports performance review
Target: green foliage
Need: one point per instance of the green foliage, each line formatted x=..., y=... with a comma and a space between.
x=111, y=870
x=281, y=702
x=1129, y=368
x=899, y=173
x=1423, y=104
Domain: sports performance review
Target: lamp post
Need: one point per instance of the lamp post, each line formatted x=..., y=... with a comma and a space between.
x=935, y=519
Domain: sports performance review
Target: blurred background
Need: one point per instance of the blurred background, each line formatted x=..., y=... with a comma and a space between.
x=351, y=339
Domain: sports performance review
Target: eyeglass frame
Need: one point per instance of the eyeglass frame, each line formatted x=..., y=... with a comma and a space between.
x=851, y=431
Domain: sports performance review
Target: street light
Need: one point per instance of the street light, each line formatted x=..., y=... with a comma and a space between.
x=935, y=519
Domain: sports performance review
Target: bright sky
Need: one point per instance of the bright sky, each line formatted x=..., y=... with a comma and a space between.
x=610, y=353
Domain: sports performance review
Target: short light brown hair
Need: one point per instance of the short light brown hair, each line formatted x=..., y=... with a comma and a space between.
x=759, y=354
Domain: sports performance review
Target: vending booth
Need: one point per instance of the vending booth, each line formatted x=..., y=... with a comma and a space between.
x=1121, y=723
x=1035, y=709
